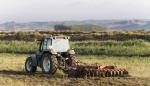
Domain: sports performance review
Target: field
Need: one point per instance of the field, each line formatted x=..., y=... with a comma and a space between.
x=136, y=47
x=12, y=72
x=130, y=50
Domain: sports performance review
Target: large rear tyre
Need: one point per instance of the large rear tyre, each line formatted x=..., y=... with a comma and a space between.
x=29, y=68
x=49, y=64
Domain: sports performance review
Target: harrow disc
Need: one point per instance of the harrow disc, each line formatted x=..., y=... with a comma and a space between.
x=96, y=71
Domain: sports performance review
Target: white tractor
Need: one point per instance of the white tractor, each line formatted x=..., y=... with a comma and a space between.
x=54, y=52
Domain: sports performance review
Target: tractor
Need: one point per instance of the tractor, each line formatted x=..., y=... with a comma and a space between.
x=54, y=52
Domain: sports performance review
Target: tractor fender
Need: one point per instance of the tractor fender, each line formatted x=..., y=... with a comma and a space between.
x=34, y=59
x=71, y=52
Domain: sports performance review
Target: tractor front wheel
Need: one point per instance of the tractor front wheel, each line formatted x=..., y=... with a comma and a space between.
x=29, y=68
x=49, y=63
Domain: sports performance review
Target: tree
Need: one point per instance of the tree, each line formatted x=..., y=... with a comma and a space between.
x=61, y=27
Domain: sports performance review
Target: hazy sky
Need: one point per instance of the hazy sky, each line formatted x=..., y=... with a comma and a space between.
x=51, y=10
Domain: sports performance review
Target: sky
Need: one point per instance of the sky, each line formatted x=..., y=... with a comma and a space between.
x=66, y=10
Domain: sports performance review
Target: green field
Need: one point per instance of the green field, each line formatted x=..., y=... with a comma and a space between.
x=12, y=72
x=109, y=48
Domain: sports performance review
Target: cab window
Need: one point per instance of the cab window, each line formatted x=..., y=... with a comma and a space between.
x=45, y=44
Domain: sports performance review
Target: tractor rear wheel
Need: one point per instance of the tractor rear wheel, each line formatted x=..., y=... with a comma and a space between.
x=49, y=63
x=29, y=68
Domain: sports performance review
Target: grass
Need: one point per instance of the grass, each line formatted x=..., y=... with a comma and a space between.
x=77, y=35
x=12, y=61
x=110, y=47
x=17, y=47
x=12, y=72
x=113, y=48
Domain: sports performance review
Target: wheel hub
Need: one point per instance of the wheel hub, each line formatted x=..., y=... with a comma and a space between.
x=29, y=65
x=46, y=64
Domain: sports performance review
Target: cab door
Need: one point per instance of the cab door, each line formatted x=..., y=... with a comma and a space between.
x=42, y=48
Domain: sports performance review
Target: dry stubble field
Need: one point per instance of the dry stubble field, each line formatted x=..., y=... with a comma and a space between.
x=12, y=72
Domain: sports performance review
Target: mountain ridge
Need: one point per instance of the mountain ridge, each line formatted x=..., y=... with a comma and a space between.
x=112, y=25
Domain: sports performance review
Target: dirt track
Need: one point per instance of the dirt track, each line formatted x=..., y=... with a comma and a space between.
x=20, y=78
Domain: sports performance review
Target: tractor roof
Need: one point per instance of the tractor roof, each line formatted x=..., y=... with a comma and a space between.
x=54, y=37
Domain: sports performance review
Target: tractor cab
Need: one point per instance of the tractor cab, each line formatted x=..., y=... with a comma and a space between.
x=57, y=44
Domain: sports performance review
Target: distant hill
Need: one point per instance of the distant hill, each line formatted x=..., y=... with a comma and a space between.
x=98, y=25
x=88, y=27
x=13, y=26
x=129, y=25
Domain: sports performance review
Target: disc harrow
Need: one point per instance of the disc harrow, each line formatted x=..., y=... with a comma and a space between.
x=96, y=71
